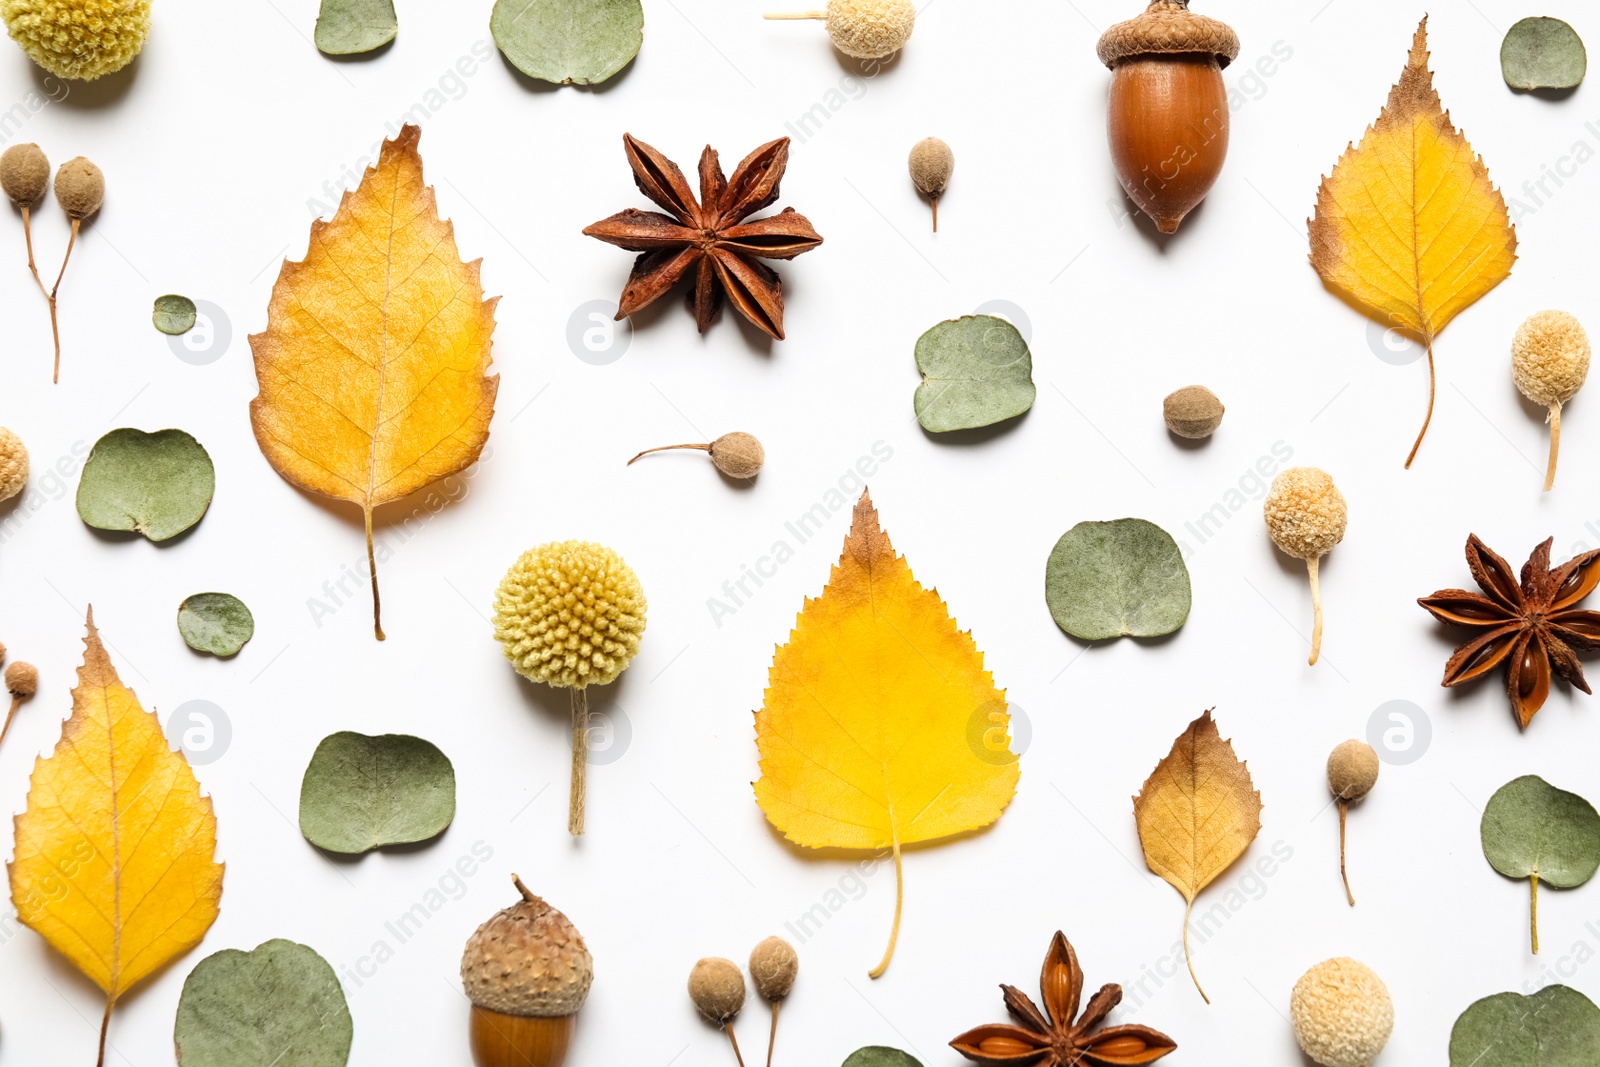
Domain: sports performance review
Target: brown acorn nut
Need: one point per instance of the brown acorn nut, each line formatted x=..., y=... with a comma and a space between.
x=526, y=972
x=1168, y=118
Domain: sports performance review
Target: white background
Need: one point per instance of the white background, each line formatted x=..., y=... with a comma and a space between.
x=220, y=140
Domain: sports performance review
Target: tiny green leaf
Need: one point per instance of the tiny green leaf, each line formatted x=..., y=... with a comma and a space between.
x=566, y=41
x=361, y=793
x=1556, y=1027
x=157, y=484
x=880, y=1056
x=1534, y=831
x=173, y=314
x=976, y=371
x=349, y=27
x=279, y=1006
x=218, y=623
x=1543, y=53
x=1115, y=579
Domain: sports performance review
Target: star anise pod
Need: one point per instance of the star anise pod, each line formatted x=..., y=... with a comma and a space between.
x=1533, y=626
x=1051, y=1038
x=707, y=239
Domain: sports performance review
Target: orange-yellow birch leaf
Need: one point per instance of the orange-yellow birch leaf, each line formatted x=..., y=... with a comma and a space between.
x=1197, y=813
x=1408, y=225
x=115, y=857
x=880, y=728
x=373, y=368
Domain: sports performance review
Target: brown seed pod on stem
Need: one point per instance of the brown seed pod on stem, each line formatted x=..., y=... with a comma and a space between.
x=80, y=190
x=773, y=968
x=717, y=988
x=1352, y=772
x=931, y=164
x=737, y=454
x=22, y=682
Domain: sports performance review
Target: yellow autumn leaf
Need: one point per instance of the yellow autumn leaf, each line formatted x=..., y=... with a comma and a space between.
x=115, y=857
x=373, y=368
x=1408, y=226
x=880, y=727
x=1197, y=813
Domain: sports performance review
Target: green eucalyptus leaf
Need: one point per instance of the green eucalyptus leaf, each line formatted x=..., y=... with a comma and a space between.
x=157, y=484
x=1531, y=830
x=173, y=314
x=566, y=41
x=349, y=27
x=279, y=1006
x=1556, y=1027
x=361, y=793
x=976, y=371
x=880, y=1056
x=218, y=623
x=1543, y=53
x=1115, y=579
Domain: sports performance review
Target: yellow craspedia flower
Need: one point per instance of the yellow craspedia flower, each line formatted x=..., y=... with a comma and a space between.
x=570, y=614
x=80, y=39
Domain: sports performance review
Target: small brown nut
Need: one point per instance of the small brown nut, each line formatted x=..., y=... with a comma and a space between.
x=717, y=988
x=24, y=174
x=1352, y=770
x=1193, y=412
x=80, y=188
x=931, y=165
x=738, y=455
x=22, y=680
x=773, y=967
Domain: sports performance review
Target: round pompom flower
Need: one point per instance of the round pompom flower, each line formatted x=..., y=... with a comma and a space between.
x=570, y=614
x=1549, y=361
x=1341, y=1013
x=1306, y=517
x=80, y=39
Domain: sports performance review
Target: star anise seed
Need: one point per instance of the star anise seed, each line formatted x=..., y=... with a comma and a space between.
x=1533, y=626
x=1051, y=1038
x=708, y=240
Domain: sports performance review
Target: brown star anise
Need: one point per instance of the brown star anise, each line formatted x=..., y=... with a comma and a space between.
x=708, y=239
x=1051, y=1038
x=1532, y=626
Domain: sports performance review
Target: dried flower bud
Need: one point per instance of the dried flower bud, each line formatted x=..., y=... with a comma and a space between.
x=931, y=164
x=1352, y=770
x=24, y=174
x=80, y=188
x=22, y=680
x=773, y=967
x=1193, y=412
x=13, y=465
x=717, y=988
x=738, y=455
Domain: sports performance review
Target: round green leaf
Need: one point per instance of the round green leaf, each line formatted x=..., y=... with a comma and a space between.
x=361, y=793
x=566, y=41
x=1532, y=828
x=280, y=1005
x=157, y=484
x=976, y=371
x=1543, y=53
x=1115, y=579
x=173, y=314
x=1556, y=1027
x=880, y=1056
x=218, y=623
x=350, y=27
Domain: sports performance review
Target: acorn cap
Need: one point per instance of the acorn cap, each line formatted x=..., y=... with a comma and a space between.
x=1168, y=27
x=528, y=960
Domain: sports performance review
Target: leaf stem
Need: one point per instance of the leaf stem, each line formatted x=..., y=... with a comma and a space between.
x=894, y=931
x=1533, y=910
x=105, y=1024
x=1187, y=908
x=580, y=761
x=372, y=565
x=1344, y=808
x=1316, y=611
x=772, y=1035
x=1555, y=445
x=1429, y=417
x=664, y=448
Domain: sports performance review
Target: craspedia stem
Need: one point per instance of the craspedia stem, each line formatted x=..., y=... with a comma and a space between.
x=1555, y=445
x=580, y=761
x=823, y=15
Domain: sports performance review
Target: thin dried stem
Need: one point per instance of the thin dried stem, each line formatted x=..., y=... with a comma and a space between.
x=16, y=702
x=528, y=896
x=772, y=1035
x=1555, y=446
x=1189, y=907
x=935, y=202
x=665, y=448
x=55, y=325
x=105, y=1025
x=580, y=761
x=894, y=931
x=733, y=1041
x=1344, y=808
x=372, y=566
x=1429, y=417
x=799, y=15
x=1316, y=611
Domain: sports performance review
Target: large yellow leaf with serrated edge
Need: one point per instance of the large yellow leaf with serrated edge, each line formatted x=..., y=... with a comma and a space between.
x=115, y=857
x=1408, y=225
x=373, y=368
x=880, y=727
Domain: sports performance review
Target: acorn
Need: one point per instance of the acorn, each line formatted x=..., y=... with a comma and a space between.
x=1168, y=119
x=526, y=972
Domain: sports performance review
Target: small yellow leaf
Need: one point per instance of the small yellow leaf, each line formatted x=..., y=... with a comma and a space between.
x=1197, y=813
x=1408, y=226
x=880, y=727
x=373, y=366
x=115, y=857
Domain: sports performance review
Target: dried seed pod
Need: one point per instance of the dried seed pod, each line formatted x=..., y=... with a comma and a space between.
x=717, y=988
x=80, y=188
x=24, y=174
x=865, y=29
x=737, y=454
x=13, y=464
x=1193, y=412
x=22, y=682
x=931, y=164
x=1352, y=772
x=1168, y=120
x=1549, y=362
x=773, y=968
x=1341, y=1013
x=1306, y=517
